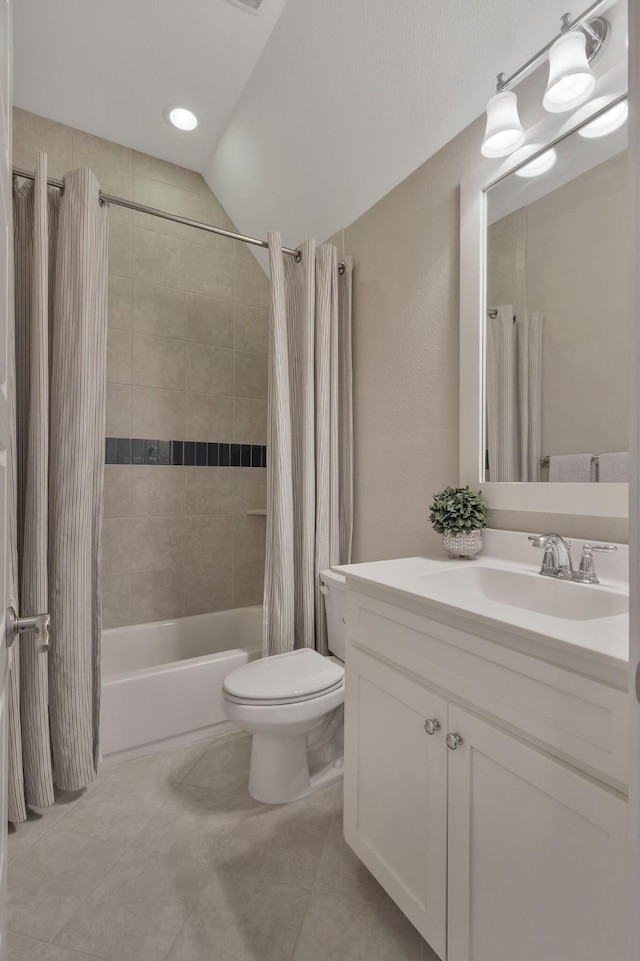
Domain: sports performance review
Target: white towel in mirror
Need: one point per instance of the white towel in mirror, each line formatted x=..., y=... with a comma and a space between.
x=571, y=468
x=614, y=468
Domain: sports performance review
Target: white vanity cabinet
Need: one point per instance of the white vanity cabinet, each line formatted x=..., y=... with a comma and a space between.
x=509, y=843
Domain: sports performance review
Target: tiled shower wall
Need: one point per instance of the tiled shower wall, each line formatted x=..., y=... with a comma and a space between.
x=186, y=361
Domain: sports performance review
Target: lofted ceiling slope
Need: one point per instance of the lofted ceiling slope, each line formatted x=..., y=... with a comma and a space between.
x=110, y=66
x=310, y=111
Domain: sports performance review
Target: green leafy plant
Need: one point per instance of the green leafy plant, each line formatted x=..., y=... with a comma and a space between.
x=459, y=510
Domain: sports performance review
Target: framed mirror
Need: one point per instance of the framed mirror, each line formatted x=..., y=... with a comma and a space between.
x=544, y=307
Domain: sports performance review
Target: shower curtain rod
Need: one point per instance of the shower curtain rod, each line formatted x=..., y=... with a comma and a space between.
x=176, y=218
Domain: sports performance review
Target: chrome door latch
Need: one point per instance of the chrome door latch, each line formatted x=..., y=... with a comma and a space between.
x=638, y=682
x=38, y=624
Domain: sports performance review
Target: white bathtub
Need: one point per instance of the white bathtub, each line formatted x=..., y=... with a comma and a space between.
x=162, y=682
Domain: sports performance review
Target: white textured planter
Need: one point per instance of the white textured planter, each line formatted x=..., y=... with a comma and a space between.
x=462, y=545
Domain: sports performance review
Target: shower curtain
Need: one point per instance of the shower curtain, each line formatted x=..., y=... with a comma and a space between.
x=514, y=394
x=310, y=441
x=60, y=246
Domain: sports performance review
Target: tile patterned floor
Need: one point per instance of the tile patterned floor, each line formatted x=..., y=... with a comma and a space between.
x=167, y=858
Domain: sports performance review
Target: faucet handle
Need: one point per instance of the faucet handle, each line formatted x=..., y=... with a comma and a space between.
x=608, y=548
x=586, y=573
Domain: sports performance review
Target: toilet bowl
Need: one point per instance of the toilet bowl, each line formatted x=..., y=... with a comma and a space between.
x=292, y=704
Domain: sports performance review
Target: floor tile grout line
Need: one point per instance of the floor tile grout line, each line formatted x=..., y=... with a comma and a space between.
x=301, y=925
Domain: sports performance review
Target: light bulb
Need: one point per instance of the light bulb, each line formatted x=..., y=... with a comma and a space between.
x=504, y=132
x=571, y=79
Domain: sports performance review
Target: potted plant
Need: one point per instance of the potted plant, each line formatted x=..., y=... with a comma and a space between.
x=460, y=515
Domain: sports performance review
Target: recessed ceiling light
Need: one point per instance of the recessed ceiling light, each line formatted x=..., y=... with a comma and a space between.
x=612, y=119
x=538, y=166
x=180, y=117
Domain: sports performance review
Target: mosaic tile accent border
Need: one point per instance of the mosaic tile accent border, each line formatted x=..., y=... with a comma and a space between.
x=183, y=453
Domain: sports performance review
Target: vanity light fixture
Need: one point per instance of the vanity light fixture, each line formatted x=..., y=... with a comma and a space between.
x=539, y=165
x=612, y=119
x=571, y=79
x=180, y=117
x=504, y=132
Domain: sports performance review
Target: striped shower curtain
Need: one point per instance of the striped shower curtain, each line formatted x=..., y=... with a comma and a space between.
x=514, y=394
x=310, y=441
x=60, y=247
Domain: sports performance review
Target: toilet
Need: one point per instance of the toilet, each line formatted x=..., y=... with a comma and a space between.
x=292, y=704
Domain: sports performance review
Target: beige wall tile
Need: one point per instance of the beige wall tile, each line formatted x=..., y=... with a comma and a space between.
x=157, y=362
x=89, y=150
x=208, y=417
x=158, y=259
x=208, y=588
x=157, y=543
x=156, y=595
x=249, y=489
x=249, y=374
x=251, y=329
x=118, y=356
x=209, y=271
x=249, y=421
x=147, y=166
x=248, y=583
x=157, y=413
x=114, y=179
x=162, y=196
x=120, y=301
x=249, y=538
x=116, y=599
x=209, y=370
x=117, y=490
x=207, y=540
x=116, y=544
x=209, y=320
x=205, y=208
x=159, y=310
x=157, y=490
x=118, y=418
x=251, y=284
x=120, y=248
x=208, y=490
x=32, y=133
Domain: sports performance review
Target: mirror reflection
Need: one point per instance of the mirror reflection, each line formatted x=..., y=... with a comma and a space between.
x=556, y=308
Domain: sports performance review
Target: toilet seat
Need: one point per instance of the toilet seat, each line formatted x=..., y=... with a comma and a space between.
x=289, y=678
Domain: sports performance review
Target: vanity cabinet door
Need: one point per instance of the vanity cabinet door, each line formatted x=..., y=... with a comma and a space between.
x=536, y=854
x=396, y=789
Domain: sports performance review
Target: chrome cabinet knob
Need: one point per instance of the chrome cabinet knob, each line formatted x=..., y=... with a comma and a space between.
x=432, y=725
x=37, y=624
x=453, y=741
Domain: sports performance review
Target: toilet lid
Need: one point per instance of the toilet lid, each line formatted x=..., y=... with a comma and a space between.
x=296, y=675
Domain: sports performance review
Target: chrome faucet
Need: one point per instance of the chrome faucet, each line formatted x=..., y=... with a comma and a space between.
x=554, y=546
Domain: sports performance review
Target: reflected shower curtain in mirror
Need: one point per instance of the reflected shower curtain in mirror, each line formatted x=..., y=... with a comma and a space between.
x=60, y=245
x=310, y=441
x=514, y=394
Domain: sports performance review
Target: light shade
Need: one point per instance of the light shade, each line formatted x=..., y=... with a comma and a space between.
x=612, y=119
x=504, y=132
x=571, y=79
x=180, y=117
x=539, y=165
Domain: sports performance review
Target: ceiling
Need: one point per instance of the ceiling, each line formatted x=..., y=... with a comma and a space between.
x=110, y=66
x=310, y=111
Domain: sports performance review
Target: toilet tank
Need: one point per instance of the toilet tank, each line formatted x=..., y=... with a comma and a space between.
x=333, y=587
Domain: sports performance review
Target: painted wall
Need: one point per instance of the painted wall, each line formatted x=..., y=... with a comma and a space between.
x=406, y=339
x=186, y=362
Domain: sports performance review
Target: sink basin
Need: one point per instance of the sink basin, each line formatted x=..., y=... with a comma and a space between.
x=526, y=591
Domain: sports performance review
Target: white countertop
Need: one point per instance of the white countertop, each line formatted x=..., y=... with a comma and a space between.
x=603, y=640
